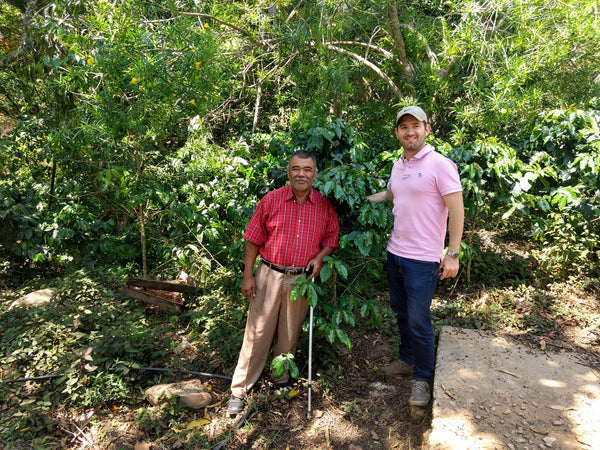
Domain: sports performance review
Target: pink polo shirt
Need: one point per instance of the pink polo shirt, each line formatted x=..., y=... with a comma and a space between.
x=420, y=213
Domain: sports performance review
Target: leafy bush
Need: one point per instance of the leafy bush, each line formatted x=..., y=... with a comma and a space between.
x=558, y=191
x=88, y=336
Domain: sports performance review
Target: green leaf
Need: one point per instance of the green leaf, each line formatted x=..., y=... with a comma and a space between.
x=294, y=371
x=336, y=318
x=343, y=337
x=298, y=289
x=311, y=295
x=330, y=334
x=349, y=318
x=326, y=272
x=279, y=364
x=341, y=268
x=364, y=309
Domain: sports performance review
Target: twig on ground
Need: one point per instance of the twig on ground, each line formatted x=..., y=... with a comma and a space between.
x=509, y=373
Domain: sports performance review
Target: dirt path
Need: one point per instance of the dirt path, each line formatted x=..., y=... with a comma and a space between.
x=496, y=392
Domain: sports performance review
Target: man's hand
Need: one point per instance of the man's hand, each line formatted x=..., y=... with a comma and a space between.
x=249, y=285
x=317, y=261
x=449, y=267
x=316, y=265
x=380, y=197
x=249, y=288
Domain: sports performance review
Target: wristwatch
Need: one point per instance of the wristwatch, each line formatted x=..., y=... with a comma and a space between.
x=453, y=254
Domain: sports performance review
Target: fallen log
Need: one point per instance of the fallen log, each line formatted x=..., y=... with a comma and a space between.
x=161, y=285
x=153, y=300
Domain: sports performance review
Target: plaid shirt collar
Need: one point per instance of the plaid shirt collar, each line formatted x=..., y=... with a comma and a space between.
x=289, y=194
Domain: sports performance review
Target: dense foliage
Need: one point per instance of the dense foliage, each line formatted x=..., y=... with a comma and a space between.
x=138, y=136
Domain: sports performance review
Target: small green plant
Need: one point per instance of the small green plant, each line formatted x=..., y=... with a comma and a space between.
x=284, y=363
x=353, y=408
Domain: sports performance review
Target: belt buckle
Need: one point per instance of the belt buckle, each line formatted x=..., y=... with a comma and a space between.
x=290, y=271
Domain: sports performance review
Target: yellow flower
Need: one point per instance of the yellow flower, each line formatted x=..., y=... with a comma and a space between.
x=193, y=102
x=90, y=60
x=134, y=80
x=197, y=64
x=207, y=26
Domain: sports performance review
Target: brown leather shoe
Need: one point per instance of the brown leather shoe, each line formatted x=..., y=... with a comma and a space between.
x=396, y=369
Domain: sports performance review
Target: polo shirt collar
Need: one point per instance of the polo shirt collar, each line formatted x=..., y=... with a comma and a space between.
x=422, y=153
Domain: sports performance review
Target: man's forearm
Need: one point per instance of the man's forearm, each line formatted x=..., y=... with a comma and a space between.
x=325, y=251
x=381, y=197
x=250, y=256
x=456, y=219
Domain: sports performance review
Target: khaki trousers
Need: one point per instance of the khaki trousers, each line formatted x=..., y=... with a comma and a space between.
x=272, y=319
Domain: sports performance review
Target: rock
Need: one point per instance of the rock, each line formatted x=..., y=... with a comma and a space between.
x=185, y=344
x=36, y=298
x=142, y=446
x=193, y=394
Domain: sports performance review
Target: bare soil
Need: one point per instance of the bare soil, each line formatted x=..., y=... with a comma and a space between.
x=362, y=410
x=359, y=409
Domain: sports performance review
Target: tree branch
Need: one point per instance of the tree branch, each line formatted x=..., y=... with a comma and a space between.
x=432, y=56
x=27, y=14
x=368, y=46
x=227, y=24
x=369, y=64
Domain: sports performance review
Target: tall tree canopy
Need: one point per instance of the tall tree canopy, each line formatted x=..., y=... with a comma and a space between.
x=473, y=64
x=107, y=94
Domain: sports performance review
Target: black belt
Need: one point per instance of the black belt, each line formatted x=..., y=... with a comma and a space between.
x=284, y=270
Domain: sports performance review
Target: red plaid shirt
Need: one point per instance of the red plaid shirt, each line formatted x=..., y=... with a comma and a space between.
x=289, y=233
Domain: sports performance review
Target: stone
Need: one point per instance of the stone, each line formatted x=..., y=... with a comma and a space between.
x=193, y=394
x=36, y=298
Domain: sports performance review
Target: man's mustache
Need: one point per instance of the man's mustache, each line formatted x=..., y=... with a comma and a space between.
x=300, y=179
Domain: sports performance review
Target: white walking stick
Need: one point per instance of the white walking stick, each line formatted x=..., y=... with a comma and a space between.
x=310, y=340
x=310, y=331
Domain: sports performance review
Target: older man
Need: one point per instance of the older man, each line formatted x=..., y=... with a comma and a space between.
x=427, y=195
x=292, y=229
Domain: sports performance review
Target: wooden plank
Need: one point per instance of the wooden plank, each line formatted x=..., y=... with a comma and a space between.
x=160, y=285
x=162, y=304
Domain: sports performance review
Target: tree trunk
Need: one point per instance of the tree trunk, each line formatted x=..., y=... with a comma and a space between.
x=257, y=107
x=52, y=182
x=143, y=241
x=399, y=40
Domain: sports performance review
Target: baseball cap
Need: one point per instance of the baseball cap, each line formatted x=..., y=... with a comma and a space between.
x=414, y=111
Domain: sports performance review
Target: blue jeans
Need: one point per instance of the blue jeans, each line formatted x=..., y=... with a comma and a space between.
x=411, y=285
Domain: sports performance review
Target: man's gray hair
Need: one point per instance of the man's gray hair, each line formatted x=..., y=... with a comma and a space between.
x=304, y=154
